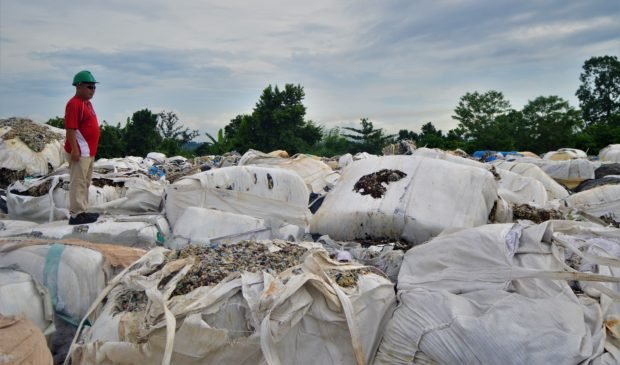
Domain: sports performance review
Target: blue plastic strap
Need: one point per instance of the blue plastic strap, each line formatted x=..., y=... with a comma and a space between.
x=50, y=274
x=50, y=280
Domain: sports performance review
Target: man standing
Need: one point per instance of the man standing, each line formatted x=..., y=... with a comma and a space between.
x=81, y=145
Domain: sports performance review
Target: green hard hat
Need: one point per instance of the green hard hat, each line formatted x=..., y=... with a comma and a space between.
x=83, y=76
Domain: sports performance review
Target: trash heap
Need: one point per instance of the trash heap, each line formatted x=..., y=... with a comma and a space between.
x=282, y=296
x=53, y=282
x=266, y=258
x=243, y=200
x=28, y=149
x=402, y=147
x=506, y=294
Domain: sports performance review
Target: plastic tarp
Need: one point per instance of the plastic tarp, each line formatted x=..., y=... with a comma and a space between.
x=512, y=187
x=433, y=196
x=569, y=173
x=600, y=201
x=200, y=226
x=317, y=175
x=17, y=156
x=299, y=316
x=143, y=231
x=553, y=188
x=117, y=194
x=500, y=294
x=21, y=342
x=610, y=153
x=21, y=294
x=278, y=196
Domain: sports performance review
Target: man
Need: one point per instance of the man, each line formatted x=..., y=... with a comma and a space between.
x=81, y=144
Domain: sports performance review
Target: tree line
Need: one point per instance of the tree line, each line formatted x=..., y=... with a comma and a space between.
x=486, y=121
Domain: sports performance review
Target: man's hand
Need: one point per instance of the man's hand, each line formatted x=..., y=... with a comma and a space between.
x=75, y=151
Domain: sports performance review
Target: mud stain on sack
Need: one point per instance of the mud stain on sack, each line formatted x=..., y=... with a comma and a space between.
x=375, y=184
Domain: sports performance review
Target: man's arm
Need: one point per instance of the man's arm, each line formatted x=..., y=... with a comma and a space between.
x=75, y=151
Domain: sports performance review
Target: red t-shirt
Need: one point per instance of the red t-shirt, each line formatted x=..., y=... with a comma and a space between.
x=80, y=115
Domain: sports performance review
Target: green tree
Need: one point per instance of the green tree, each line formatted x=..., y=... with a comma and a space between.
x=477, y=112
x=57, y=122
x=277, y=122
x=454, y=140
x=404, y=134
x=111, y=141
x=504, y=134
x=549, y=123
x=367, y=138
x=170, y=127
x=597, y=136
x=214, y=146
x=332, y=143
x=174, y=135
x=599, y=92
x=141, y=135
x=430, y=137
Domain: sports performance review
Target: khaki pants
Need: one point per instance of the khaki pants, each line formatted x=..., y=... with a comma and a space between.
x=81, y=173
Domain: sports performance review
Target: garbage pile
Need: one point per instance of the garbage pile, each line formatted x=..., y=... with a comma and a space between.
x=402, y=147
x=240, y=259
x=195, y=313
x=466, y=295
x=28, y=149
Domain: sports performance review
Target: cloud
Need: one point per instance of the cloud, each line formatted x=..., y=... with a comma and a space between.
x=401, y=63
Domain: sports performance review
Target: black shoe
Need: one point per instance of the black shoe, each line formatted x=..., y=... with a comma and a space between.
x=93, y=215
x=82, y=218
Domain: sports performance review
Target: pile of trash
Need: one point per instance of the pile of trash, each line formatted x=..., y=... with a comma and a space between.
x=245, y=317
x=459, y=293
x=402, y=147
x=536, y=215
x=242, y=258
x=28, y=149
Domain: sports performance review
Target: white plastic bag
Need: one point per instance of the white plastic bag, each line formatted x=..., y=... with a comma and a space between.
x=553, y=188
x=142, y=231
x=276, y=195
x=497, y=294
x=318, y=177
x=300, y=316
x=20, y=293
x=200, y=226
x=610, y=153
x=434, y=195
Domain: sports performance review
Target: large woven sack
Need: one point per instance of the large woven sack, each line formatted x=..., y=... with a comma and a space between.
x=299, y=316
x=503, y=294
x=21, y=294
x=21, y=342
x=273, y=194
x=422, y=198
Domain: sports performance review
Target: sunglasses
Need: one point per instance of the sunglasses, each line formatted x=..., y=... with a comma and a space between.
x=92, y=87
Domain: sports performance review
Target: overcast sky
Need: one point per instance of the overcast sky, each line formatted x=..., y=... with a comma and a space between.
x=399, y=63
